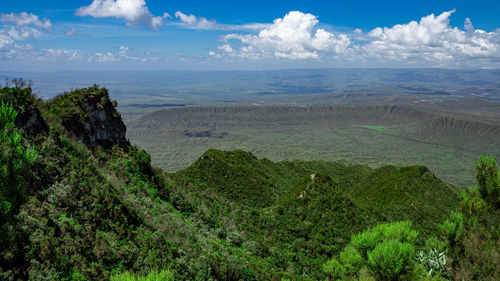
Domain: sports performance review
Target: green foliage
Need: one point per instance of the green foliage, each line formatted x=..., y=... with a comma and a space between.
x=488, y=181
x=163, y=275
x=389, y=260
x=70, y=105
x=473, y=233
x=410, y=193
x=386, y=250
x=301, y=212
x=16, y=161
x=21, y=98
x=7, y=114
x=90, y=214
x=453, y=228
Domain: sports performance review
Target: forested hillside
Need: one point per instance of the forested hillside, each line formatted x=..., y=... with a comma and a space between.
x=79, y=202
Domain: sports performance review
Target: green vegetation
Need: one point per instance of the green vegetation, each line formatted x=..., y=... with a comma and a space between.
x=446, y=142
x=469, y=239
x=163, y=275
x=74, y=210
x=386, y=251
x=374, y=127
x=15, y=162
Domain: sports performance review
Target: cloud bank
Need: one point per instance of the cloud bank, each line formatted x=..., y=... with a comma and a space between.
x=296, y=39
x=135, y=12
x=432, y=40
x=428, y=42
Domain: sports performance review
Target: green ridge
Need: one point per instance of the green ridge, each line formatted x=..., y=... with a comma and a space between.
x=91, y=213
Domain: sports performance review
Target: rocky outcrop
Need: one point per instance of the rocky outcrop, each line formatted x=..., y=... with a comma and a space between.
x=101, y=124
x=88, y=115
x=31, y=122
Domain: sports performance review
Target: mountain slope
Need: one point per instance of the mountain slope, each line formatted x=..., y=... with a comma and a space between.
x=95, y=207
x=402, y=193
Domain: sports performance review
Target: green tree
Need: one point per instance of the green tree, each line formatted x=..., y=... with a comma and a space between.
x=15, y=162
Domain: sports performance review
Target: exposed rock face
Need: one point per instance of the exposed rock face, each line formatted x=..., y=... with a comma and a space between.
x=31, y=122
x=102, y=124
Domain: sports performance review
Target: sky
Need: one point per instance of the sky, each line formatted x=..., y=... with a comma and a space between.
x=247, y=35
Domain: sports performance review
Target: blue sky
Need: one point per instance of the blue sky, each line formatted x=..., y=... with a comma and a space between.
x=138, y=34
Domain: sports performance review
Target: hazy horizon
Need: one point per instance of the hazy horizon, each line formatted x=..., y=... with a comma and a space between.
x=93, y=35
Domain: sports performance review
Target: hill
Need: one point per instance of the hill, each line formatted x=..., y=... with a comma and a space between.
x=314, y=206
x=446, y=142
x=81, y=203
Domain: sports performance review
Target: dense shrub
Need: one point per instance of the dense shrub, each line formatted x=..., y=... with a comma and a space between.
x=385, y=252
x=164, y=275
x=16, y=160
x=473, y=233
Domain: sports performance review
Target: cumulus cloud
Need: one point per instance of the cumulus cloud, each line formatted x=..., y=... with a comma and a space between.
x=292, y=37
x=432, y=40
x=21, y=26
x=193, y=21
x=428, y=42
x=135, y=12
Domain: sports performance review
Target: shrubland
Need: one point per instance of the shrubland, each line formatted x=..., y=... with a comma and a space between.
x=79, y=202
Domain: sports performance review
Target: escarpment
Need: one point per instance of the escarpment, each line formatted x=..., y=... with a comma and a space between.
x=89, y=116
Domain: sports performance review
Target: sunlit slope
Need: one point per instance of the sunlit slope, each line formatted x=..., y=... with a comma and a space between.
x=313, y=205
x=375, y=135
x=411, y=193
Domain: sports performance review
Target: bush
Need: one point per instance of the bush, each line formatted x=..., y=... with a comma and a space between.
x=488, y=181
x=385, y=251
x=15, y=161
x=473, y=233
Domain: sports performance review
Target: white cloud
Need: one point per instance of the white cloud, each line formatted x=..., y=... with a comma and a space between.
x=225, y=48
x=191, y=21
x=132, y=55
x=60, y=54
x=70, y=32
x=104, y=57
x=21, y=26
x=292, y=37
x=194, y=22
x=432, y=41
x=135, y=12
x=428, y=42
x=25, y=19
